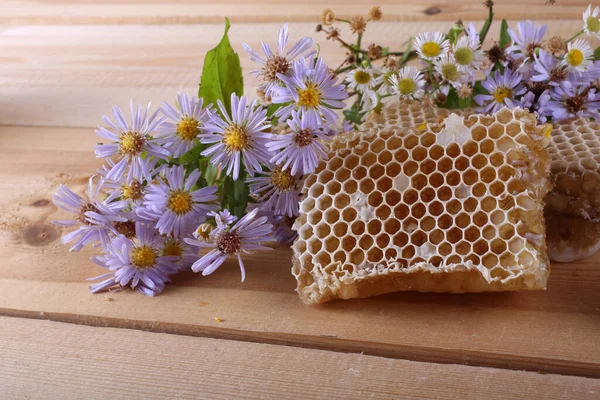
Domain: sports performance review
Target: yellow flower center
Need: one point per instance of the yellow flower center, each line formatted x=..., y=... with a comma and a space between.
x=407, y=86
x=187, y=128
x=431, y=49
x=133, y=191
x=143, y=257
x=180, y=202
x=575, y=57
x=463, y=56
x=281, y=179
x=502, y=93
x=131, y=143
x=172, y=248
x=309, y=97
x=362, y=77
x=235, y=138
x=593, y=24
x=450, y=72
x=203, y=232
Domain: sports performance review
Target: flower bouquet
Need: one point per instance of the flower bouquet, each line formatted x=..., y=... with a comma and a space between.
x=214, y=176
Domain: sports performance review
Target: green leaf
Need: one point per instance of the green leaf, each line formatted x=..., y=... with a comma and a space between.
x=234, y=195
x=221, y=74
x=272, y=109
x=192, y=156
x=209, y=171
x=452, y=99
x=597, y=54
x=504, y=36
x=406, y=53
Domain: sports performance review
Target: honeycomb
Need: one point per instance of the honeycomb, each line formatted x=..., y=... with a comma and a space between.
x=454, y=206
x=575, y=169
x=570, y=238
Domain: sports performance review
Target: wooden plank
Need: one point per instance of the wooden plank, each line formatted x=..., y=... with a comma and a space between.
x=71, y=75
x=55, y=360
x=211, y=11
x=552, y=331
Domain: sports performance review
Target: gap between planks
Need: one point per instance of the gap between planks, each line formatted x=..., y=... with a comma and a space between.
x=50, y=359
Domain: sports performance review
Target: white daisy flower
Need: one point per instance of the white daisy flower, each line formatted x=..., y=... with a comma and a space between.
x=467, y=54
x=450, y=71
x=579, y=55
x=362, y=79
x=409, y=83
x=430, y=45
x=369, y=101
x=591, y=21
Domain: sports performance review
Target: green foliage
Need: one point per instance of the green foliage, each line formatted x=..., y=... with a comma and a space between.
x=221, y=74
x=597, y=54
x=234, y=194
x=504, y=36
x=353, y=114
x=486, y=27
x=406, y=53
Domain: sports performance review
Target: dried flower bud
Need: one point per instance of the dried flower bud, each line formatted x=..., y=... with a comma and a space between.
x=375, y=13
x=350, y=59
x=391, y=62
x=488, y=4
x=358, y=25
x=262, y=97
x=496, y=54
x=332, y=34
x=327, y=17
x=556, y=46
x=465, y=91
x=319, y=28
x=375, y=51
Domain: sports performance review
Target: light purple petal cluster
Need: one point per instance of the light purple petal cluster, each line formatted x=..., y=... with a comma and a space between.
x=278, y=61
x=136, y=263
x=94, y=218
x=504, y=90
x=311, y=89
x=238, y=137
x=184, y=123
x=245, y=236
x=570, y=101
x=173, y=204
x=130, y=141
x=302, y=148
x=527, y=40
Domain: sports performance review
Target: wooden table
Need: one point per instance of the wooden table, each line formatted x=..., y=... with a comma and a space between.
x=62, y=65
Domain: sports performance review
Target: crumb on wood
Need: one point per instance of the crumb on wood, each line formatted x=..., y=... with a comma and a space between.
x=219, y=319
x=107, y=298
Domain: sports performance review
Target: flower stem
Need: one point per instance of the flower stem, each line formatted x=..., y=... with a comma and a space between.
x=575, y=36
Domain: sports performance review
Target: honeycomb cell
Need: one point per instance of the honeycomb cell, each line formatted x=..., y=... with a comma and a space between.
x=384, y=157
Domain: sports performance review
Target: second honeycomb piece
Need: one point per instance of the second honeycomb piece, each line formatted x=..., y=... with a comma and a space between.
x=570, y=239
x=450, y=207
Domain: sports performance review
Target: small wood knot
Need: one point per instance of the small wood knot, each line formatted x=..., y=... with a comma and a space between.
x=38, y=234
x=432, y=10
x=41, y=203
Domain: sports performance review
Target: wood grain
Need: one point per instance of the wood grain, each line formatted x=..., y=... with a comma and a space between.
x=42, y=359
x=211, y=11
x=553, y=331
x=71, y=75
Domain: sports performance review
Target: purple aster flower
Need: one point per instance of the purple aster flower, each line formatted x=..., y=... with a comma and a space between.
x=130, y=141
x=503, y=89
x=311, y=89
x=223, y=218
x=277, y=191
x=127, y=187
x=94, y=217
x=239, y=137
x=282, y=229
x=569, y=101
x=185, y=122
x=301, y=149
x=186, y=256
x=279, y=62
x=136, y=262
x=472, y=33
x=548, y=69
x=245, y=236
x=529, y=38
x=173, y=205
